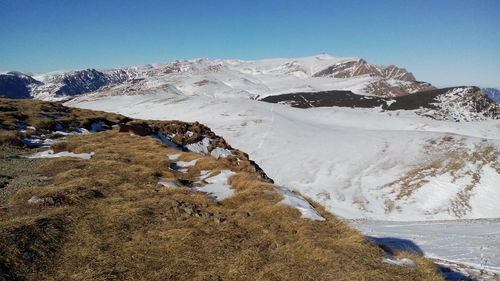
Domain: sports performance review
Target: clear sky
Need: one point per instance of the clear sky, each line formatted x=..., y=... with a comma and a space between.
x=445, y=42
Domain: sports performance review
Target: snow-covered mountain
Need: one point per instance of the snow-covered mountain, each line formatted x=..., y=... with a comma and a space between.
x=17, y=85
x=60, y=85
x=394, y=81
x=234, y=77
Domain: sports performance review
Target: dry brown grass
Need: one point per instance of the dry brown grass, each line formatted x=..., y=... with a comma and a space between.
x=9, y=138
x=44, y=115
x=108, y=219
x=114, y=223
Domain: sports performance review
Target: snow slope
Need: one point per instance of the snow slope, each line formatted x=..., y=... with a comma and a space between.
x=475, y=244
x=358, y=163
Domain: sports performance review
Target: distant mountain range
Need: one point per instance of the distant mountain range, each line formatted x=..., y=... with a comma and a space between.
x=253, y=78
x=316, y=81
x=267, y=80
x=17, y=85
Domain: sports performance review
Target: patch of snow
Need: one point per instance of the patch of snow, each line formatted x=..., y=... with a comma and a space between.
x=168, y=184
x=184, y=164
x=389, y=102
x=200, y=147
x=181, y=166
x=77, y=131
x=173, y=157
x=204, y=173
x=220, y=153
x=398, y=261
x=36, y=141
x=50, y=154
x=217, y=186
x=295, y=200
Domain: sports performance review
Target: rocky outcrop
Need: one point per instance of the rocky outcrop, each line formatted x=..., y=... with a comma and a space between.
x=67, y=84
x=361, y=67
x=462, y=104
x=395, y=88
x=393, y=81
x=82, y=81
x=22, y=86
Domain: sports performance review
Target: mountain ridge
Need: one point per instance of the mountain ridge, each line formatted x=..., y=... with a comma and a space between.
x=316, y=72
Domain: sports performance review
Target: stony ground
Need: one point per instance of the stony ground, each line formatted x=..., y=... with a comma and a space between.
x=17, y=172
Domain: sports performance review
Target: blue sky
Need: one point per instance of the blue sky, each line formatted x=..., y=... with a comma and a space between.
x=445, y=42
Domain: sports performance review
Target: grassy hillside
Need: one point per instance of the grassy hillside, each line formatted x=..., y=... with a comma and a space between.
x=108, y=218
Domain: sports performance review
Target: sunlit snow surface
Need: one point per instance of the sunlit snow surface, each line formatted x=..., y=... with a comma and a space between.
x=352, y=161
x=217, y=186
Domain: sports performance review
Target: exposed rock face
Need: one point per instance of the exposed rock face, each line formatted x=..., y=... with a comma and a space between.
x=361, y=67
x=394, y=81
x=396, y=88
x=128, y=73
x=78, y=82
x=462, y=104
x=82, y=82
x=16, y=85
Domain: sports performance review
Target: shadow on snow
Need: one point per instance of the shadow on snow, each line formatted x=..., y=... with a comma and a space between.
x=392, y=244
